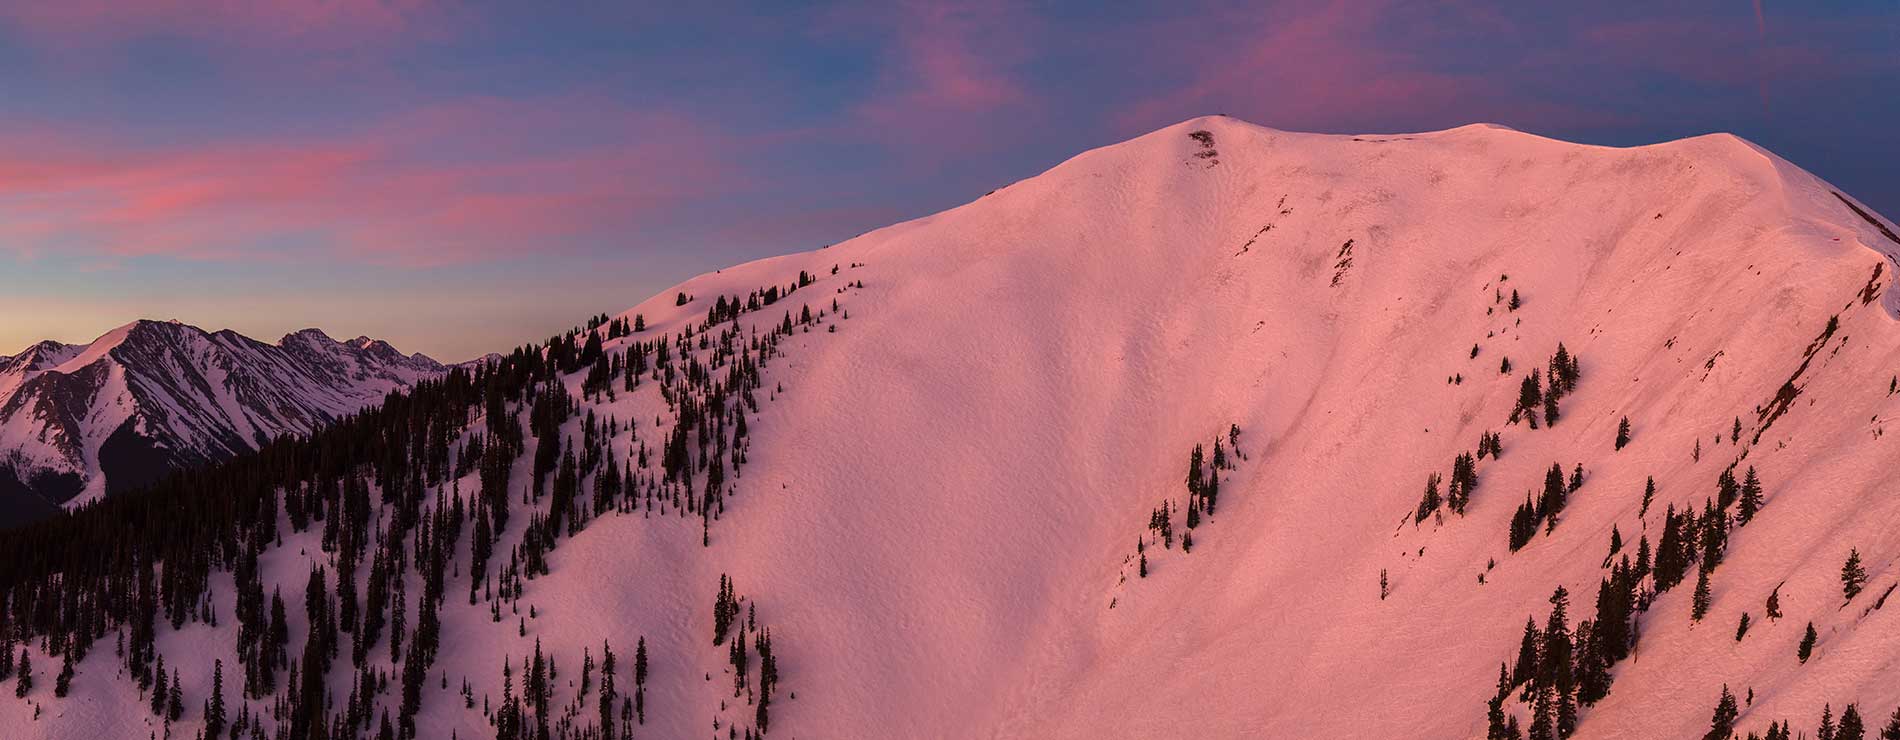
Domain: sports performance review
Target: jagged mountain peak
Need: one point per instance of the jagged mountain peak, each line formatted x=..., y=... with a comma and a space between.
x=77, y=421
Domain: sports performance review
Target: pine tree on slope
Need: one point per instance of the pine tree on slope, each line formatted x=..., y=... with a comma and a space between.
x=1853, y=576
x=1722, y=724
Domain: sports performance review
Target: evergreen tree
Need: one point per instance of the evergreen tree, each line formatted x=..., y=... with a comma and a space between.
x=1195, y=461
x=607, y=690
x=725, y=609
x=1553, y=656
x=1807, y=644
x=1530, y=396
x=63, y=682
x=1723, y=723
x=1495, y=727
x=1593, y=664
x=1526, y=667
x=1726, y=489
x=159, y=694
x=1751, y=498
x=1523, y=524
x=1853, y=576
x=1649, y=495
x=1714, y=535
x=24, y=685
x=1622, y=433
x=1741, y=630
x=1213, y=489
x=538, y=691
x=214, y=705
x=1774, y=604
x=1426, y=505
x=1672, y=552
x=640, y=679
x=1566, y=712
x=1699, y=605
x=1555, y=495
x=1826, y=730
x=1892, y=730
x=1852, y=727
x=175, y=700
x=1567, y=369
x=1543, y=714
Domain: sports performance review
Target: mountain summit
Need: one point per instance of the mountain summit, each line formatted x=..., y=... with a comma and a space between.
x=80, y=421
x=1221, y=431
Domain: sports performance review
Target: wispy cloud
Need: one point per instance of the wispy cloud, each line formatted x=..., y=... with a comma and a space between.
x=306, y=23
x=475, y=181
x=946, y=74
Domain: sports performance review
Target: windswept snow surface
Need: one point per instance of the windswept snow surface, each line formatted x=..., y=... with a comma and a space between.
x=943, y=502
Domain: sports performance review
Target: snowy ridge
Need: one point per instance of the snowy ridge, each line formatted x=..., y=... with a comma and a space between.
x=952, y=467
x=180, y=396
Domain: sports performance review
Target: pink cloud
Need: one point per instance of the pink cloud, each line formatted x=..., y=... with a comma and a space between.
x=946, y=74
x=1332, y=66
x=1302, y=70
x=245, y=22
x=473, y=181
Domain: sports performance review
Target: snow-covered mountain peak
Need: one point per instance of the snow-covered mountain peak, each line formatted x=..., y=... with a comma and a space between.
x=966, y=469
x=149, y=396
x=1363, y=308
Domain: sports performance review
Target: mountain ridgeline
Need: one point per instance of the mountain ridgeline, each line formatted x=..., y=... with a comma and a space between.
x=1485, y=435
x=78, y=422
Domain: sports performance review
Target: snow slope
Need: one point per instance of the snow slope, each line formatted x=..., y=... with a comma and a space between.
x=177, y=395
x=941, y=507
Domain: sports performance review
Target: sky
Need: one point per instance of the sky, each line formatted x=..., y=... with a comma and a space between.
x=459, y=178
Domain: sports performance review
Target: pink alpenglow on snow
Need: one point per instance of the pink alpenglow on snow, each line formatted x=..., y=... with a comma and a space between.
x=1222, y=431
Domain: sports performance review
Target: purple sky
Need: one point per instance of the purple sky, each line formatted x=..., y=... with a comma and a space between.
x=466, y=177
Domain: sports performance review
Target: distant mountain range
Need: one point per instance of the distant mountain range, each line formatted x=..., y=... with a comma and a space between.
x=82, y=421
